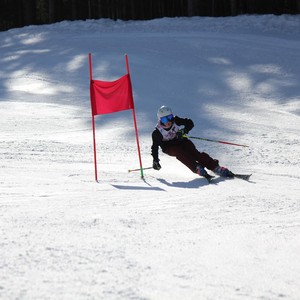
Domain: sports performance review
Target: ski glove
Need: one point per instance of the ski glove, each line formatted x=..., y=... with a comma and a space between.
x=181, y=133
x=156, y=165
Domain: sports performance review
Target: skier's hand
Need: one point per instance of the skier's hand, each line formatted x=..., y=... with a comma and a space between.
x=156, y=165
x=181, y=134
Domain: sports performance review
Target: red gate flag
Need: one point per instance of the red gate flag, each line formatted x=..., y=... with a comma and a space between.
x=108, y=97
x=111, y=96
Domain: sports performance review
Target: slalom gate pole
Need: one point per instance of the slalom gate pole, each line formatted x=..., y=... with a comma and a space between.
x=93, y=121
x=135, y=124
x=215, y=141
x=134, y=170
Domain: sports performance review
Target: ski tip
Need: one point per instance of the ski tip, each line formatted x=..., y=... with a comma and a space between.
x=243, y=176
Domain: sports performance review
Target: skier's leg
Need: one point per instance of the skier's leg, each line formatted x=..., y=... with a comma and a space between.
x=201, y=157
x=206, y=161
x=182, y=155
x=187, y=153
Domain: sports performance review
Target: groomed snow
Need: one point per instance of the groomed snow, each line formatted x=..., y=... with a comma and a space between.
x=171, y=235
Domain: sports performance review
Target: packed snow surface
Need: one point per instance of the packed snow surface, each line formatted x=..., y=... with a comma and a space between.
x=171, y=235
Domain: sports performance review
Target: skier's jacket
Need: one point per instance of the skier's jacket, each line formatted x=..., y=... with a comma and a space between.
x=165, y=137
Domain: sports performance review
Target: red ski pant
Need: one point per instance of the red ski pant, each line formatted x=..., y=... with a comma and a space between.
x=187, y=153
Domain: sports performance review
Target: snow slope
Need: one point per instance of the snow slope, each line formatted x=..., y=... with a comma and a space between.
x=171, y=235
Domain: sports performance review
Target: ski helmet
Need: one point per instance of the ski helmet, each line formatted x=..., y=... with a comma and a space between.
x=164, y=111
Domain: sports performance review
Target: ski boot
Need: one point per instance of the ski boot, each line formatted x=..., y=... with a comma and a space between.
x=202, y=172
x=223, y=172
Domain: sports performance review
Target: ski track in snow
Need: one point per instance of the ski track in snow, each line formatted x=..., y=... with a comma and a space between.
x=171, y=235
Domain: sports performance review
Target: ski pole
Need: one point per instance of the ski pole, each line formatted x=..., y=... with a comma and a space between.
x=134, y=170
x=216, y=141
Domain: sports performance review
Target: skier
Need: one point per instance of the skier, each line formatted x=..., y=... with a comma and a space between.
x=169, y=134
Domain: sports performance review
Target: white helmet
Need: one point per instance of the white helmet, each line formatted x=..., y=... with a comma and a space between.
x=164, y=111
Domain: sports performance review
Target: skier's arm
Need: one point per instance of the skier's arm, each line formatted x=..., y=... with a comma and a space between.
x=156, y=142
x=187, y=123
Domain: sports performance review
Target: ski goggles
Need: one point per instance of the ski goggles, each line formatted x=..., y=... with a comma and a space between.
x=167, y=118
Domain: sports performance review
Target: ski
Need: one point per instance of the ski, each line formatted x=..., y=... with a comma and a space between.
x=242, y=176
x=246, y=177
